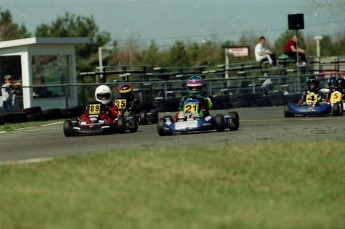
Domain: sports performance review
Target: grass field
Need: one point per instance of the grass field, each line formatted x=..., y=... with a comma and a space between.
x=261, y=186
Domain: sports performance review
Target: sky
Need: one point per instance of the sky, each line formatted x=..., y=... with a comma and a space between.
x=166, y=21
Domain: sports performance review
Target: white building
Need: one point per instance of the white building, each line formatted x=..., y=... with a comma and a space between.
x=45, y=66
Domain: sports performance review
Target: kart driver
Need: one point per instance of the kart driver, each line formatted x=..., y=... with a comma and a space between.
x=313, y=88
x=340, y=85
x=126, y=92
x=195, y=85
x=109, y=111
x=332, y=84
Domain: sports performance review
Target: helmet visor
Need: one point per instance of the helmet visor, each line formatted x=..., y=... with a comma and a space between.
x=194, y=88
x=103, y=96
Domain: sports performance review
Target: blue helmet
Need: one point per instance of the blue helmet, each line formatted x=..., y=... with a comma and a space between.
x=332, y=82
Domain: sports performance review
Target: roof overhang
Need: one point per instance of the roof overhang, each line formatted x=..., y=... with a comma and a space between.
x=44, y=41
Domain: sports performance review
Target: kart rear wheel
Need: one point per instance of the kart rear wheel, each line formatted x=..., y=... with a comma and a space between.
x=143, y=118
x=234, y=121
x=121, y=125
x=220, y=123
x=135, y=127
x=68, y=128
x=337, y=109
x=287, y=113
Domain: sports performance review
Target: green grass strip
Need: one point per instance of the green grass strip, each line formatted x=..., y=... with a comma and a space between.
x=261, y=186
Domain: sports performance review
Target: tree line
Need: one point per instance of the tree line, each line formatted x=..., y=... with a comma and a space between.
x=133, y=52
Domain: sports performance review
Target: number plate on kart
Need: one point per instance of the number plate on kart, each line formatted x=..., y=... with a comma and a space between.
x=120, y=103
x=186, y=125
x=312, y=98
x=191, y=107
x=94, y=109
x=336, y=97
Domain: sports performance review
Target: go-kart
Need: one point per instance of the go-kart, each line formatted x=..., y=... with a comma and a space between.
x=189, y=120
x=313, y=107
x=94, y=125
x=126, y=118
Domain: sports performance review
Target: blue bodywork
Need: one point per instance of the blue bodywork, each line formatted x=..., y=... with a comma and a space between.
x=191, y=123
x=313, y=109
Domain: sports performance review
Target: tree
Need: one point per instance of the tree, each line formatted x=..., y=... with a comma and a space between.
x=151, y=56
x=71, y=25
x=10, y=30
x=178, y=55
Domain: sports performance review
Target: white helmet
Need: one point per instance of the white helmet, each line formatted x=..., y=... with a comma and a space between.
x=103, y=94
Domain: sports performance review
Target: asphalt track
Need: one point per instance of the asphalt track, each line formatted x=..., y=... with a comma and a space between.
x=257, y=125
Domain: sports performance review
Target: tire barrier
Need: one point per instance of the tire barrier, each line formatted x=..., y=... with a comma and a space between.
x=154, y=107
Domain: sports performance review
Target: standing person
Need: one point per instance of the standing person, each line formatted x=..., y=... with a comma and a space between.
x=291, y=50
x=7, y=94
x=263, y=53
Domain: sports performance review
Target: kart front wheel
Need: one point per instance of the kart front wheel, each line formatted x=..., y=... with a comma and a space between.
x=220, y=123
x=337, y=109
x=234, y=121
x=287, y=113
x=160, y=127
x=68, y=128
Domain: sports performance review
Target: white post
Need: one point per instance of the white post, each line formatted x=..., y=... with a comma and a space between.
x=318, y=38
x=100, y=63
x=226, y=62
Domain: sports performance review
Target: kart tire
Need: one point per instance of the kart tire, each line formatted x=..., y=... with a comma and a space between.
x=220, y=123
x=235, y=121
x=337, y=109
x=135, y=128
x=121, y=124
x=143, y=118
x=68, y=128
x=160, y=127
x=287, y=113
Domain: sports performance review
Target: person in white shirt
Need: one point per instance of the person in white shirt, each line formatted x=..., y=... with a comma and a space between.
x=262, y=53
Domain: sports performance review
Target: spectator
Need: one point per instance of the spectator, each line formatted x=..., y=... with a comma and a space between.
x=267, y=86
x=8, y=94
x=262, y=53
x=291, y=50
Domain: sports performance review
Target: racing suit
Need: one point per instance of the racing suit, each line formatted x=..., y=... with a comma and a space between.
x=205, y=103
x=109, y=113
x=132, y=104
x=322, y=96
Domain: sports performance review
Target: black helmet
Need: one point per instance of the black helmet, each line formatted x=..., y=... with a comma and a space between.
x=340, y=84
x=332, y=81
x=312, y=83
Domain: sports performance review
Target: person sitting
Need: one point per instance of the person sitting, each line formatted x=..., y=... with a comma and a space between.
x=126, y=92
x=313, y=88
x=103, y=97
x=262, y=53
x=291, y=50
x=195, y=85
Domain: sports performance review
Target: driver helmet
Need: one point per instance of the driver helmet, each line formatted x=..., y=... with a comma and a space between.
x=195, y=85
x=103, y=94
x=340, y=84
x=312, y=84
x=125, y=90
x=332, y=81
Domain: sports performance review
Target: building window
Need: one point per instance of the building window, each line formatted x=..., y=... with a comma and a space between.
x=49, y=73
